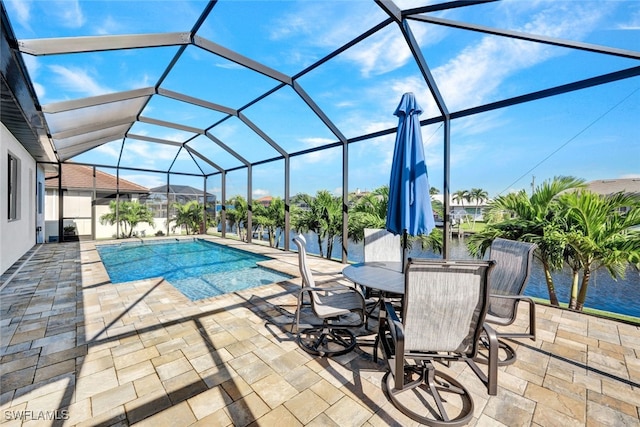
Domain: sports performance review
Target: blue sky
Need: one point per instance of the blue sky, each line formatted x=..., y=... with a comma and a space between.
x=591, y=134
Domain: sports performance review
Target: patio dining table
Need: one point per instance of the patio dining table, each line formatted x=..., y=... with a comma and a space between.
x=384, y=276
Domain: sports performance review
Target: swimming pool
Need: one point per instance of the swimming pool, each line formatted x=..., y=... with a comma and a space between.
x=197, y=268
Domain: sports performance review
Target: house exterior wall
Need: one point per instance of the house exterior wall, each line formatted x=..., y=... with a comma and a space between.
x=77, y=212
x=18, y=235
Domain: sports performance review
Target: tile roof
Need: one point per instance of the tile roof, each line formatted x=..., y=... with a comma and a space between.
x=81, y=177
x=610, y=186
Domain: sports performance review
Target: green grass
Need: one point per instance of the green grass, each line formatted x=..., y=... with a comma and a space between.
x=469, y=227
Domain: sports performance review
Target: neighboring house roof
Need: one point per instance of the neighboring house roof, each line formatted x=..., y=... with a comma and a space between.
x=610, y=186
x=265, y=201
x=80, y=177
x=179, y=189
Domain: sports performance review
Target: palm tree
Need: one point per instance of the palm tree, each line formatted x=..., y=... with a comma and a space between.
x=460, y=196
x=478, y=195
x=601, y=236
x=323, y=216
x=189, y=215
x=536, y=219
x=271, y=218
x=370, y=211
x=128, y=215
x=239, y=214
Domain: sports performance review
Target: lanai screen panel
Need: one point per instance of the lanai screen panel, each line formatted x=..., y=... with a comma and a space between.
x=237, y=184
x=245, y=141
x=361, y=95
x=210, y=77
x=289, y=36
x=503, y=66
x=281, y=116
x=319, y=170
x=268, y=180
x=214, y=152
x=181, y=112
x=141, y=154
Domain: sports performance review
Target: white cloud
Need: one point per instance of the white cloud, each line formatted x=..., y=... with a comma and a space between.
x=229, y=65
x=148, y=154
x=108, y=26
x=632, y=22
x=381, y=53
x=259, y=192
x=69, y=13
x=22, y=9
x=40, y=90
x=108, y=150
x=149, y=181
x=78, y=80
x=325, y=156
x=476, y=74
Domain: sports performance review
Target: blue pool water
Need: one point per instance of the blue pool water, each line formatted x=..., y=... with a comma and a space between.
x=197, y=268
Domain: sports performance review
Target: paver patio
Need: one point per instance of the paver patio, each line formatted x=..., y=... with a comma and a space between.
x=78, y=350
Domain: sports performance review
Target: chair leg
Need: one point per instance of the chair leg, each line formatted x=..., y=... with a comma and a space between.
x=507, y=354
x=491, y=378
x=445, y=401
x=325, y=341
x=298, y=308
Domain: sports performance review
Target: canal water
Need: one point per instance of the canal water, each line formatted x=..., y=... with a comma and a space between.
x=605, y=293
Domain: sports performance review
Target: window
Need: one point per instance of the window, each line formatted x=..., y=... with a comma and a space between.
x=14, y=186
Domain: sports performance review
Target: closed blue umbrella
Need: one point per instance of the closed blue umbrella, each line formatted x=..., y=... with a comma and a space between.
x=409, y=210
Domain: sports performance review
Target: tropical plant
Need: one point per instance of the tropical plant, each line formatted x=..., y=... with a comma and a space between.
x=536, y=219
x=238, y=215
x=478, y=195
x=602, y=234
x=271, y=218
x=190, y=215
x=370, y=211
x=322, y=215
x=128, y=214
x=432, y=240
x=461, y=196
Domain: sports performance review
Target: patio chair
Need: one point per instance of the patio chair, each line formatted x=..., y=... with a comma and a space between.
x=380, y=245
x=508, y=280
x=335, y=305
x=443, y=317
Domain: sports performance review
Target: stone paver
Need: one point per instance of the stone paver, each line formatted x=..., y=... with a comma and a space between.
x=75, y=345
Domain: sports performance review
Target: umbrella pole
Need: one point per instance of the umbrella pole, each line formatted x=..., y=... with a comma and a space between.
x=404, y=249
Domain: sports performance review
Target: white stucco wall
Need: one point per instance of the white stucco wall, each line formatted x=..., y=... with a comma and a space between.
x=77, y=211
x=19, y=235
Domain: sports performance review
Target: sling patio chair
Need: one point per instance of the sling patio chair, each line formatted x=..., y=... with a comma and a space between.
x=508, y=280
x=340, y=308
x=443, y=317
x=380, y=245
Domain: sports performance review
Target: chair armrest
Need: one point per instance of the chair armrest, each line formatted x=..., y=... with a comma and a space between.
x=517, y=297
x=532, y=315
x=395, y=325
x=332, y=289
x=307, y=289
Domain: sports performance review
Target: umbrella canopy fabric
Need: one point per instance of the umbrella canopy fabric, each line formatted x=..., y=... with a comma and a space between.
x=409, y=209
